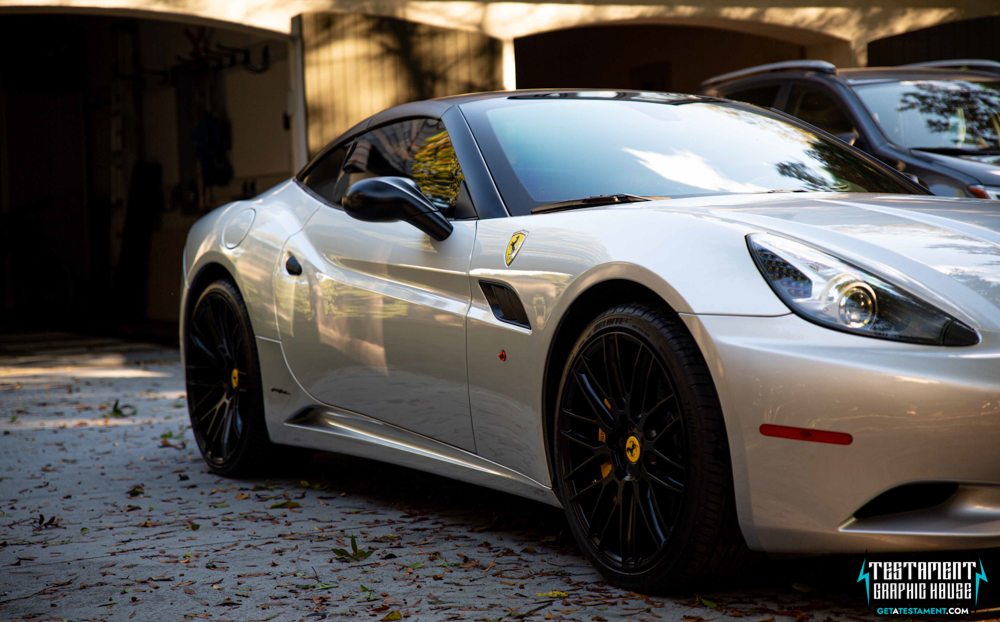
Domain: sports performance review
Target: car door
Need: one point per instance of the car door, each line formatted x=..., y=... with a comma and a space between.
x=375, y=323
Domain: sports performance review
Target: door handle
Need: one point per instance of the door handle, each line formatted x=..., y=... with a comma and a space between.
x=292, y=266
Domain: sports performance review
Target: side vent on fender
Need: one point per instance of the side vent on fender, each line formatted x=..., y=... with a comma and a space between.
x=505, y=304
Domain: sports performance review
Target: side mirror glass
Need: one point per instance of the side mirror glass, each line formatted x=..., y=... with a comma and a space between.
x=388, y=199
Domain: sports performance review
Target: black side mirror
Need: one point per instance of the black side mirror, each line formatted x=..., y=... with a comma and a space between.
x=388, y=199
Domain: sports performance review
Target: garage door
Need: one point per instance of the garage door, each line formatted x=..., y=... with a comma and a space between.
x=354, y=66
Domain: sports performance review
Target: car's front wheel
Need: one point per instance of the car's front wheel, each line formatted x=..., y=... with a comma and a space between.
x=641, y=456
x=222, y=375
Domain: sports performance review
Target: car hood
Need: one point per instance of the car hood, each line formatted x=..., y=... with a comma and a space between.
x=985, y=168
x=946, y=250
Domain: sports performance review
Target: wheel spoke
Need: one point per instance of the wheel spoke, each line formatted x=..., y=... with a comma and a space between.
x=612, y=367
x=673, y=426
x=200, y=347
x=640, y=383
x=626, y=523
x=214, y=441
x=216, y=391
x=648, y=514
x=582, y=442
x=589, y=487
x=604, y=510
x=227, y=428
x=201, y=376
x=662, y=456
x=594, y=397
x=212, y=325
x=655, y=410
x=575, y=415
x=669, y=483
x=583, y=465
x=656, y=513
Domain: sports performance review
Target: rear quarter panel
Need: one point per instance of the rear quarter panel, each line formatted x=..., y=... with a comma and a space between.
x=278, y=214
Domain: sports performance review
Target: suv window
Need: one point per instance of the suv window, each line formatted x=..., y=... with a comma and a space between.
x=419, y=149
x=762, y=96
x=819, y=108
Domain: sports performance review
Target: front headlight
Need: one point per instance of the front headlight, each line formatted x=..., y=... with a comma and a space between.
x=823, y=289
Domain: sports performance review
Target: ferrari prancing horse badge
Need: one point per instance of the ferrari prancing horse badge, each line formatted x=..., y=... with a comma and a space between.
x=514, y=245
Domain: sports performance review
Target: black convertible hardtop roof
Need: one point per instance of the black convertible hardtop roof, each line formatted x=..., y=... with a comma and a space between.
x=440, y=105
x=437, y=107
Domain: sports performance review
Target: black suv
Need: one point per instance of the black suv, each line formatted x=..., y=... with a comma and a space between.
x=938, y=123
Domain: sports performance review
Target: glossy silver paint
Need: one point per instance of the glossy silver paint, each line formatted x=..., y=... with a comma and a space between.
x=376, y=322
x=386, y=347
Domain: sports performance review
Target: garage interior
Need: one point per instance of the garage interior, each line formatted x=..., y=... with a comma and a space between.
x=951, y=40
x=635, y=56
x=116, y=134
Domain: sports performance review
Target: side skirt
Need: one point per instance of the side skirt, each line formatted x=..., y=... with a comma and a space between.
x=332, y=429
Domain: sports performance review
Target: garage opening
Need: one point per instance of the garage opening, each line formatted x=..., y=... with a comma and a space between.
x=116, y=135
x=634, y=56
x=969, y=38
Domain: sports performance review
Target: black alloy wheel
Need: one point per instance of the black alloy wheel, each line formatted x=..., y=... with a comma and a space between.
x=622, y=448
x=222, y=376
x=640, y=454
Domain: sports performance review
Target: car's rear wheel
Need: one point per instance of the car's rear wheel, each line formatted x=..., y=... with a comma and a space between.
x=222, y=375
x=641, y=456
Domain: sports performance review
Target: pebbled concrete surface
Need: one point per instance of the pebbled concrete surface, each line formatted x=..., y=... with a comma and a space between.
x=109, y=514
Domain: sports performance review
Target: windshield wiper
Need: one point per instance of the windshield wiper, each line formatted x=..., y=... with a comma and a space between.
x=958, y=151
x=600, y=199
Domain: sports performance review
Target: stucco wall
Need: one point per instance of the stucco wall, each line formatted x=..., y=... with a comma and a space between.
x=836, y=30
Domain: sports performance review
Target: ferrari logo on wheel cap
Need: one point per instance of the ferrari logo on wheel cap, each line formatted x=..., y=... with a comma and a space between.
x=514, y=246
x=236, y=378
x=632, y=449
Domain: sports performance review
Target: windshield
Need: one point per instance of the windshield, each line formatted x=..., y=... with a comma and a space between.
x=546, y=151
x=937, y=114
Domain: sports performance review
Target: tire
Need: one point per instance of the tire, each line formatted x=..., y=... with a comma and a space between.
x=642, y=459
x=222, y=374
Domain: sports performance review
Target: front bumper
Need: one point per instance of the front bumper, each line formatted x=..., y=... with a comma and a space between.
x=917, y=414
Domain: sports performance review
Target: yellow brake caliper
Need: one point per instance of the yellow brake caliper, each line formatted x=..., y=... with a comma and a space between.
x=601, y=436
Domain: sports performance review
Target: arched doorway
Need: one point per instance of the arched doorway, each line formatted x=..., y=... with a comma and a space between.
x=117, y=132
x=968, y=38
x=662, y=57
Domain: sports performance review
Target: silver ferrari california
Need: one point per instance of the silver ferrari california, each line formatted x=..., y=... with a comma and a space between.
x=704, y=329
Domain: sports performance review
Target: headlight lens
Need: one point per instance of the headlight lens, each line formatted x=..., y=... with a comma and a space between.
x=831, y=292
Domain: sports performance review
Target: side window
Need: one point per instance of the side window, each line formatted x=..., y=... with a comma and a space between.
x=820, y=109
x=763, y=96
x=419, y=149
x=322, y=177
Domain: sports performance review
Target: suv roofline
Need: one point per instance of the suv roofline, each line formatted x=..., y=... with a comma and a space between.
x=975, y=64
x=818, y=66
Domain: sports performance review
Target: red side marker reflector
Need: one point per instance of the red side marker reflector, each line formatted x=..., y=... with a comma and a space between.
x=503, y=355
x=805, y=434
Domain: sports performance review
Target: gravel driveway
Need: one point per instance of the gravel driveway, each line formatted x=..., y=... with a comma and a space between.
x=108, y=513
